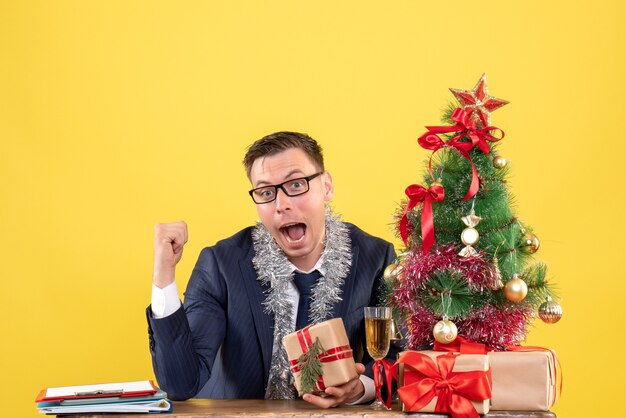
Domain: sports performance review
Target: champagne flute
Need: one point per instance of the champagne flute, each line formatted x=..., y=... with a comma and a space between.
x=378, y=336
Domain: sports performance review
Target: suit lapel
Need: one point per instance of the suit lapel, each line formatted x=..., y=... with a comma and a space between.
x=263, y=322
x=341, y=309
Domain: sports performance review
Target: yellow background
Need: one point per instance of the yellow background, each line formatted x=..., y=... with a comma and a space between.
x=115, y=115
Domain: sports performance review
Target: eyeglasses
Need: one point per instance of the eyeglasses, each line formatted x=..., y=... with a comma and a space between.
x=293, y=187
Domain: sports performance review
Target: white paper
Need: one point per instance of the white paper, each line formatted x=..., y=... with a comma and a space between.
x=138, y=386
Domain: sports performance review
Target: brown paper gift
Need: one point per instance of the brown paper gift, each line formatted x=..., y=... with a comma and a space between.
x=463, y=363
x=523, y=380
x=338, y=365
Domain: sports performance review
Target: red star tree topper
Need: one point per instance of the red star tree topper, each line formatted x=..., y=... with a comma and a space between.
x=478, y=103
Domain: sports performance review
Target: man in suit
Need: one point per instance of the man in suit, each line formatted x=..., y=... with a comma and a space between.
x=299, y=265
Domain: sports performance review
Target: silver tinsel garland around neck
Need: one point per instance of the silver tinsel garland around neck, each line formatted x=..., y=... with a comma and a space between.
x=273, y=268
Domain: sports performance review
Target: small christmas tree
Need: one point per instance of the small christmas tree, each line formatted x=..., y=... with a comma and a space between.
x=468, y=265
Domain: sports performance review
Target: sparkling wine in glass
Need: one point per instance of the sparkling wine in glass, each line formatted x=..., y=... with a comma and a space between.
x=378, y=337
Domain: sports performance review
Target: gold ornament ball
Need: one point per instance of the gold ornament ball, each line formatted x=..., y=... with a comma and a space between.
x=515, y=289
x=390, y=272
x=469, y=236
x=445, y=331
x=530, y=243
x=550, y=311
x=499, y=161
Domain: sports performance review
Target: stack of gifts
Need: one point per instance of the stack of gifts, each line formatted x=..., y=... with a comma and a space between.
x=466, y=380
x=462, y=378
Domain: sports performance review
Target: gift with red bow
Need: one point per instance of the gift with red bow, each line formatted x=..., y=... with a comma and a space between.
x=456, y=384
x=320, y=356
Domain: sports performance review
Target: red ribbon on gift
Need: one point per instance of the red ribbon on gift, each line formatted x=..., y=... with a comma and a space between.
x=464, y=127
x=416, y=195
x=463, y=346
x=424, y=379
x=332, y=354
x=389, y=371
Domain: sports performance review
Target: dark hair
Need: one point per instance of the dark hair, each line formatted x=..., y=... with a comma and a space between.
x=282, y=141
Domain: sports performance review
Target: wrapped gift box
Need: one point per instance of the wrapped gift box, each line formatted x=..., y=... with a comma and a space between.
x=462, y=363
x=338, y=365
x=523, y=380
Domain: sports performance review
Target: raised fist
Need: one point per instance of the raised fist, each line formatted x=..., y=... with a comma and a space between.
x=169, y=240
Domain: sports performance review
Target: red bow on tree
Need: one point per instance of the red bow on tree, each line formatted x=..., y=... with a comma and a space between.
x=416, y=195
x=465, y=127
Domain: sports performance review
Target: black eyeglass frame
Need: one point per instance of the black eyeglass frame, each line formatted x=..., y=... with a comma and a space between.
x=281, y=187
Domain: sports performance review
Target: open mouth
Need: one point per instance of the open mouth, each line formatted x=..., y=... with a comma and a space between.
x=293, y=232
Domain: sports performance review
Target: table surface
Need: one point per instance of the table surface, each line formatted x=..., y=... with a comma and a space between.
x=253, y=408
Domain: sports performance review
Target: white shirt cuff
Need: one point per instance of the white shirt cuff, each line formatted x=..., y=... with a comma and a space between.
x=164, y=301
x=370, y=391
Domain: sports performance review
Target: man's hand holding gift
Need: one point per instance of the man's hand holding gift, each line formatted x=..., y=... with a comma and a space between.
x=338, y=395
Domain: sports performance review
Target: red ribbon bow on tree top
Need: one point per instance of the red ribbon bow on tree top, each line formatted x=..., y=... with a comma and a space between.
x=464, y=127
x=424, y=379
x=416, y=195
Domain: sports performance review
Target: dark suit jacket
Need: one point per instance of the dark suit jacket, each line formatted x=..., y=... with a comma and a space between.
x=220, y=344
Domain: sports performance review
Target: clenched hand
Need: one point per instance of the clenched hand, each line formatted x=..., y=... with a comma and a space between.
x=169, y=240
